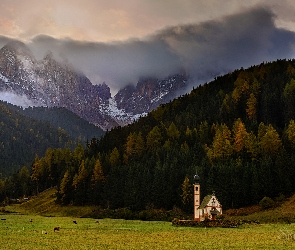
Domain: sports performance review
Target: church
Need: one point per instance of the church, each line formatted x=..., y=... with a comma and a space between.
x=210, y=206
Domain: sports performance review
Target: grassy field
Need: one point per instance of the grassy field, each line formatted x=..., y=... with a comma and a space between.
x=32, y=228
x=36, y=232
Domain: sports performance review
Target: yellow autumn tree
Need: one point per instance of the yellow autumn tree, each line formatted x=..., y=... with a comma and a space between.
x=289, y=89
x=291, y=70
x=154, y=138
x=172, y=131
x=221, y=146
x=114, y=156
x=37, y=171
x=225, y=106
x=290, y=132
x=251, y=107
x=242, y=87
x=81, y=176
x=134, y=144
x=261, y=130
x=97, y=174
x=130, y=144
x=270, y=141
x=240, y=135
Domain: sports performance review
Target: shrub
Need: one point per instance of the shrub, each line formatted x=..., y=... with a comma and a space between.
x=266, y=203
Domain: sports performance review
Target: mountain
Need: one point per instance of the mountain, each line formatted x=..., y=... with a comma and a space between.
x=149, y=93
x=28, y=82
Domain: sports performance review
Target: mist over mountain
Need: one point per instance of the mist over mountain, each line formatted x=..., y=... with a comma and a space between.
x=26, y=81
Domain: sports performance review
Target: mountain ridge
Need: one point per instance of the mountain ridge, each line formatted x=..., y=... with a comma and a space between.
x=51, y=83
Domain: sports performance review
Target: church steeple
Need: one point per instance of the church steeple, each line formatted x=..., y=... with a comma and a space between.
x=196, y=178
x=197, y=197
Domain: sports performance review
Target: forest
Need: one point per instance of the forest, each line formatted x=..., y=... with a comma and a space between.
x=237, y=132
x=27, y=132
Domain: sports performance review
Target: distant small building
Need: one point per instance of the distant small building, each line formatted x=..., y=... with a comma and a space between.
x=210, y=206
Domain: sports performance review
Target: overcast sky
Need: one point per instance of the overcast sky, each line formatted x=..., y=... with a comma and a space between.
x=103, y=21
x=118, y=41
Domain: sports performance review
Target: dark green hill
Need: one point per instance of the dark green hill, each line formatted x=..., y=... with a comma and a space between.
x=22, y=137
x=75, y=126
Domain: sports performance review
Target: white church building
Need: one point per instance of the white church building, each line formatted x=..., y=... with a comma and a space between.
x=210, y=206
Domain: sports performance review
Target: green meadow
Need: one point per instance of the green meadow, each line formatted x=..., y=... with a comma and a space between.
x=30, y=225
x=37, y=232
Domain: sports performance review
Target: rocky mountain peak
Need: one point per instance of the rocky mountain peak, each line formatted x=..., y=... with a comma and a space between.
x=149, y=93
x=51, y=83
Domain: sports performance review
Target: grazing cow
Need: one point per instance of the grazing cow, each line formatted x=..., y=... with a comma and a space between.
x=56, y=229
x=75, y=222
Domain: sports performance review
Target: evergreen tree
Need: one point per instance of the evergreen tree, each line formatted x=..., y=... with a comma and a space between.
x=97, y=183
x=64, y=194
x=187, y=195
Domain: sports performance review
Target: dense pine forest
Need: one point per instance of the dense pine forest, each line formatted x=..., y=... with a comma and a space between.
x=237, y=131
x=75, y=126
x=22, y=138
x=27, y=132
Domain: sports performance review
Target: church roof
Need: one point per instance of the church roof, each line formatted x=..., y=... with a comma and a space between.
x=205, y=201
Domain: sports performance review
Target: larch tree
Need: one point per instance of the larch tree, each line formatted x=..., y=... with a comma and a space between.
x=172, y=131
x=97, y=183
x=270, y=142
x=252, y=146
x=97, y=174
x=240, y=135
x=290, y=132
x=251, y=107
x=114, y=157
x=65, y=189
x=221, y=147
x=37, y=171
x=154, y=138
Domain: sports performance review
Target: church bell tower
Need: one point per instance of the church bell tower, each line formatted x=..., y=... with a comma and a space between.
x=197, y=197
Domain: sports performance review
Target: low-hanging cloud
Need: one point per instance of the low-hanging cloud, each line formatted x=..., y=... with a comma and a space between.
x=18, y=100
x=203, y=50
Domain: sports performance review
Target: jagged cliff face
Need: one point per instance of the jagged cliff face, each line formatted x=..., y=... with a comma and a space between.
x=51, y=83
x=149, y=94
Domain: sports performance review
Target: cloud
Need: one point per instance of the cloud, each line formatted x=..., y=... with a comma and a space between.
x=99, y=20
x=203, y=50
x=19, y=100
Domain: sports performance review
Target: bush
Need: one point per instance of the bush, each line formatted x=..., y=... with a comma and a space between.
x=124, y=213
x=266, y=203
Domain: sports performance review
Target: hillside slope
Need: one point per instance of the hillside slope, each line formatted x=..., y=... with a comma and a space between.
x=62, y=118
x=22, y=138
